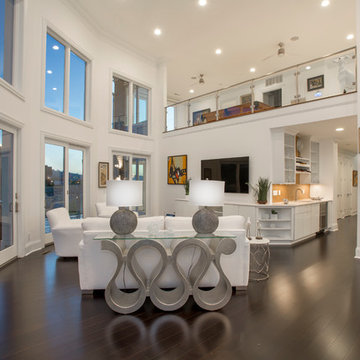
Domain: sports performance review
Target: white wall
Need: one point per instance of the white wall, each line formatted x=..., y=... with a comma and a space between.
x=96, y=136
x=244, y=136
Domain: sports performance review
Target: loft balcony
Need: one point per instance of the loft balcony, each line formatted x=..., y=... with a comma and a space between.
x=323, y=78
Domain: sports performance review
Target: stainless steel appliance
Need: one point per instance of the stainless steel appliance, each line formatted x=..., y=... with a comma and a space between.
x=323, y=216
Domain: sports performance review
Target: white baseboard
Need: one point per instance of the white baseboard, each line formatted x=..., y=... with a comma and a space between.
x=33, y=246
x=357, y=253
x=334, y=227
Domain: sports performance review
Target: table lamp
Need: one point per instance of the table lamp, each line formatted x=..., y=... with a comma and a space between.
x=123, y=193
x=206, y=193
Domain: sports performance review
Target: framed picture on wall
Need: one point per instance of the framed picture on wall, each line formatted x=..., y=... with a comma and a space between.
x=103, y=174
x=198, y=116
x=245, y=99
x=315, y=83
x=177, y=170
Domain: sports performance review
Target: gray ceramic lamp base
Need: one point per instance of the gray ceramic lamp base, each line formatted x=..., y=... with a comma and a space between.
x=123, y=221
x=205, y=221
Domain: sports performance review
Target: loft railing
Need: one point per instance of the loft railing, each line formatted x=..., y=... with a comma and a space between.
x=331, y=75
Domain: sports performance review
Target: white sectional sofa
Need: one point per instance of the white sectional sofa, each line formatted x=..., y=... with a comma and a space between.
x=97, y=266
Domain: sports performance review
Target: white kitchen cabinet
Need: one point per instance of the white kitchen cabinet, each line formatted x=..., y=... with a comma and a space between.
x=284, y=154
x=306, y=220
x=315, y=162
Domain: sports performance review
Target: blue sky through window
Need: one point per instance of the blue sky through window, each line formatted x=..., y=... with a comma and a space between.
x=55, y=67
x=77, y=87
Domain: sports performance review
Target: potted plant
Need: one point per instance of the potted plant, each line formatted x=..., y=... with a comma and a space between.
x=261, y=190
x=187, y=186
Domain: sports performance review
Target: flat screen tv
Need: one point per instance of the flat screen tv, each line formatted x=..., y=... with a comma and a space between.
x=234, y=171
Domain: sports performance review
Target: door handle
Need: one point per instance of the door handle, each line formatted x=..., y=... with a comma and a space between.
x=16, y=207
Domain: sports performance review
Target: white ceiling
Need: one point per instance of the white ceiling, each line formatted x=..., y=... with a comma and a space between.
x=246, y=31
x=347, y=139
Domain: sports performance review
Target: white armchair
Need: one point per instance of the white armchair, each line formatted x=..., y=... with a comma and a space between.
x=66, y=232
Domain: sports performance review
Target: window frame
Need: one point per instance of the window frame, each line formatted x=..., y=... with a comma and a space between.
x=130, y=106
x=16, y=86
x=70, y=46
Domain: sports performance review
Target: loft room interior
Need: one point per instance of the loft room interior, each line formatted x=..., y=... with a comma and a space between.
x=130, y=91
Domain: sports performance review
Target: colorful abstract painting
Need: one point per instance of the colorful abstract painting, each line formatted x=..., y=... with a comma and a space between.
x=177, y=169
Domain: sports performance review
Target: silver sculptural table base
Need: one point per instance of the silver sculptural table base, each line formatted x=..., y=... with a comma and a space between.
x=169, y=299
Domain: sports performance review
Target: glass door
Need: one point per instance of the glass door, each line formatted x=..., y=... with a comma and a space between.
x=8, y=245
x=64, y=181
x=132, y=167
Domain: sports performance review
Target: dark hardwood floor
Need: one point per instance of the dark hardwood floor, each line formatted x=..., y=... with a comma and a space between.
x=308, y=309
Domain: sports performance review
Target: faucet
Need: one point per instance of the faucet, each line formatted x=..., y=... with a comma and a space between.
x=296, y=192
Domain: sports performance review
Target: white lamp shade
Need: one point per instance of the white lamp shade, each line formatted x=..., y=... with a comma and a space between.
x=207, y=192
x=124, y=193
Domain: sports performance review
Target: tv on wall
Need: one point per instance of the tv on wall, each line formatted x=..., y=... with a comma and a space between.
x=234, y=171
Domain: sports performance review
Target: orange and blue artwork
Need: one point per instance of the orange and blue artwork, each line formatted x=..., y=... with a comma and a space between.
x=177, y=169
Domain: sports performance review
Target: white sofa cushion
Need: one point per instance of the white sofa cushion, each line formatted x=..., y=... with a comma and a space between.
x=151, y=223
x=178, y=223
x=231, y=222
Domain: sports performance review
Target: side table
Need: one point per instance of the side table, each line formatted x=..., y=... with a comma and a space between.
x=259, y=259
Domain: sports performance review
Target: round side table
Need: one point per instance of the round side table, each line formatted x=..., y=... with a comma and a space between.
x=259, y=259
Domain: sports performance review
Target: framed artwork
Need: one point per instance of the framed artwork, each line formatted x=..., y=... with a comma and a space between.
x=355, y=178
x=198, y=116
x=103, y=174
x=245, y=99
x=177, y=170
x=316, y=82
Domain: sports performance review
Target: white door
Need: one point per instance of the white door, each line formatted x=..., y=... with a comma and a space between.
x=8, y=195
x=64, y=180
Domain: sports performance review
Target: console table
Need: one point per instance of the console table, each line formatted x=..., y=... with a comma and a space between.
x=211, y=248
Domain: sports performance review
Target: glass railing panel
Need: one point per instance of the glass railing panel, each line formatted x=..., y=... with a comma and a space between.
x=203, y=110
x=275, y=90
x=234, y=101
x=177, y=116
x=334, y=75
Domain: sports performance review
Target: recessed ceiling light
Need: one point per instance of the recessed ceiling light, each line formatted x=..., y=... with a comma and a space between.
x=308, y=67
x=350, y=36
x=191, y=91
x=157, y=32
x=252, y=70
x=54, y=89
x=218, y=51
x=49, y=71
x=202, y=2
x=55, y=47
x=325, y=3
x=340, y=129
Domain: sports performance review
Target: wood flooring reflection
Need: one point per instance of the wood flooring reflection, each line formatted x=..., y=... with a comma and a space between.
x=308, y=309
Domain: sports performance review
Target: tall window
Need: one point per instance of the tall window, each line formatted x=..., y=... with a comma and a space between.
x=140, y=118
x=120, y=119
x=135, y=121
x=65, y=82
x=6, y=39
x=126, y=167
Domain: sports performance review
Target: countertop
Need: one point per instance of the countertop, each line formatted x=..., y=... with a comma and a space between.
x=277, y=204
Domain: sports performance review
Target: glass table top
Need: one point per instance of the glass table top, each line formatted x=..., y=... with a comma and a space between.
x=164, y=234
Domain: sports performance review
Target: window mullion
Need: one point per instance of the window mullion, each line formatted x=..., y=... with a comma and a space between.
x=67, y=80
x=131, y=105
